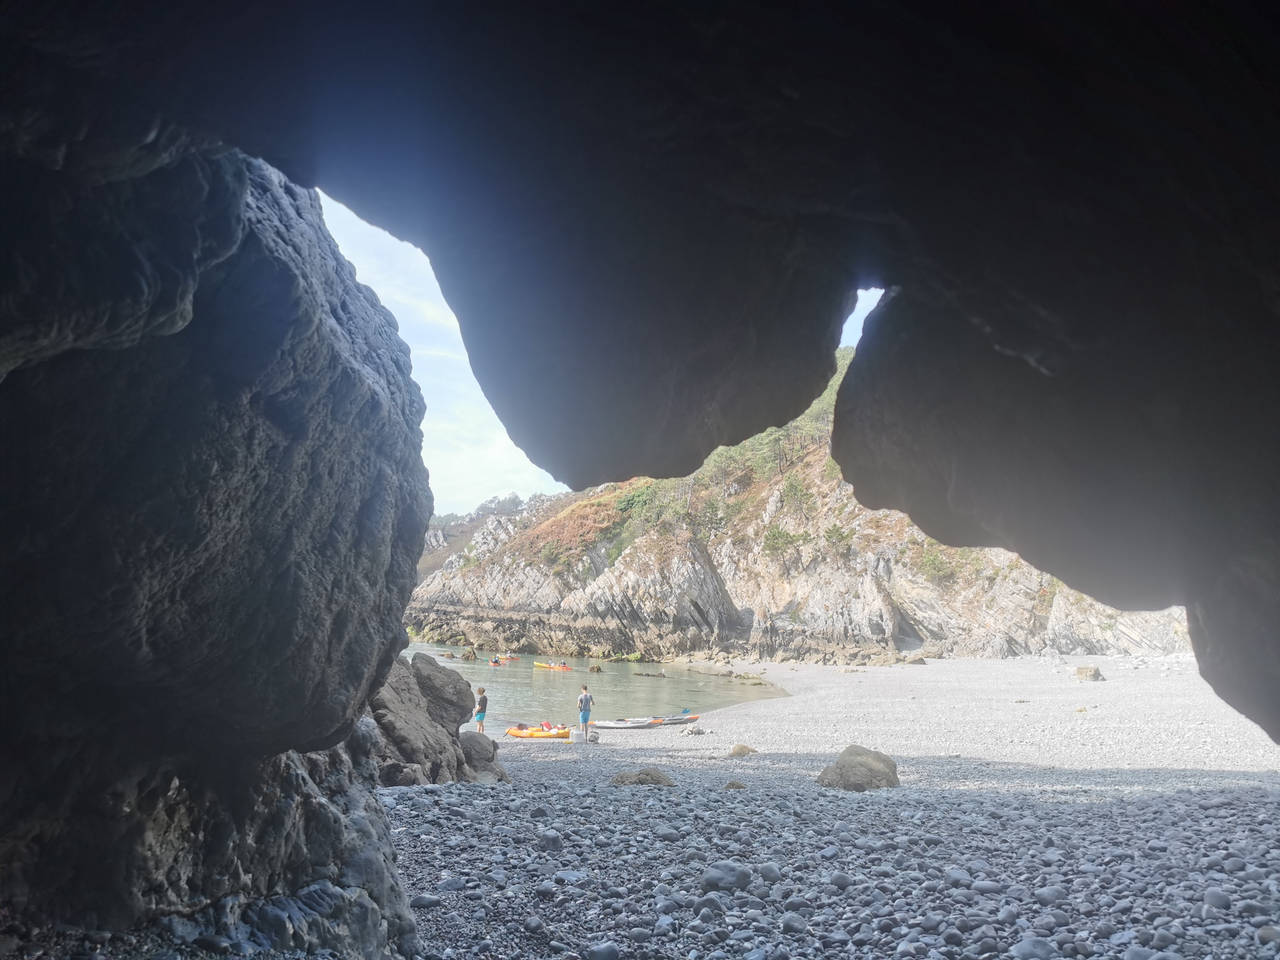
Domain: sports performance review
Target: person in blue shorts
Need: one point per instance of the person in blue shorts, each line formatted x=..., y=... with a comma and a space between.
x=585, y=700
x=482, y=704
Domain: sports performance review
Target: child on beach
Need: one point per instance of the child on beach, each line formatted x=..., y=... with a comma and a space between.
x=585, y=701
x=482, y=704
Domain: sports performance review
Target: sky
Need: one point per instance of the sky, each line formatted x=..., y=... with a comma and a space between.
x=464, y=445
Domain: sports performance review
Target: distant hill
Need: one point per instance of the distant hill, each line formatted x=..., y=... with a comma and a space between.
x=763, y=551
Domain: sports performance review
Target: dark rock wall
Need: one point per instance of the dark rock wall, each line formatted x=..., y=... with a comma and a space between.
x=649, y=221
x=211, y=533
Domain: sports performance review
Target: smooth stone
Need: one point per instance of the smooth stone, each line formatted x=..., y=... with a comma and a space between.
x=1216, y=897
x=793, y=923
x=1047, y=896
x=1033, y=948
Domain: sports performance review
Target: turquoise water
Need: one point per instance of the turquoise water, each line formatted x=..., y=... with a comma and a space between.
x=520, y=693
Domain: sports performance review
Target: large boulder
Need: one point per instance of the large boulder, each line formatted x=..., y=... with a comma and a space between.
x=482, y=758
x=214, y=501
x=859, y=769
x=417, y=747
x=448, y=697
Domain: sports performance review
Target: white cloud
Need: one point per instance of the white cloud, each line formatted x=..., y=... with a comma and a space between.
x=464, y=445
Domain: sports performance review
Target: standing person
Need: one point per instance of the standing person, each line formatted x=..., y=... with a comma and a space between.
x=482, y=704
x=585, y=700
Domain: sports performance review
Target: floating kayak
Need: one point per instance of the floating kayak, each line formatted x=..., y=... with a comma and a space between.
x=537, y=733
x=627, y=723
x=550, y=666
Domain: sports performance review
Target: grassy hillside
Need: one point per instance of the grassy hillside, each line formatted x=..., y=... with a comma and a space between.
x=705, y=504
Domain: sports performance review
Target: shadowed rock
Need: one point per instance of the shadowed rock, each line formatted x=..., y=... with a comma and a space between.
x=446, y=695
x=212, y=498
x=419, y=749
x=214, y=535
x=482, y=757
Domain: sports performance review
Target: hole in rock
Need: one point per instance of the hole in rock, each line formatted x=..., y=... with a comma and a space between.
x=464, y=445
x=868, y=300
x=759, y=594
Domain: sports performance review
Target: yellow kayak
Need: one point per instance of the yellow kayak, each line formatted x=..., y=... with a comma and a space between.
x=550, y=666
x=537, y=733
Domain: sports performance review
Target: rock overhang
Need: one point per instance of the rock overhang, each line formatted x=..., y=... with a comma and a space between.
x=649, y=222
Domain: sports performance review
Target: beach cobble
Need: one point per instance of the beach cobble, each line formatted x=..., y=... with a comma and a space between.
x=1136, y=848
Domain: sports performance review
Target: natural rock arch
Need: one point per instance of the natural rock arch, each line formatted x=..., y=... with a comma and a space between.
x=650, y=223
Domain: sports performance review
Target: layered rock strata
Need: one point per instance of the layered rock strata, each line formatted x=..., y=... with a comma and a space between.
x=826, y=580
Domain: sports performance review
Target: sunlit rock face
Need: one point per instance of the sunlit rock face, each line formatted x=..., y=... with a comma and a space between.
x=212, y=509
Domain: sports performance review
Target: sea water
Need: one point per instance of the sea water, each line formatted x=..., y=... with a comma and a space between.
x=520, y=693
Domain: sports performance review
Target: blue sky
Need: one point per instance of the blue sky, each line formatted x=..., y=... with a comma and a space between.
x=464, y=445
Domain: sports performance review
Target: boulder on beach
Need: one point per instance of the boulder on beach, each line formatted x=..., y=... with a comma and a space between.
x=735, y=785
x=860, y=769
x=482, y=757
x=741, y=750
x=415, y=747
x=1089, y=673
x=447, y=695
x=648, y=777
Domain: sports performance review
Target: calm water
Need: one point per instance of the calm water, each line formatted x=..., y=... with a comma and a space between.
x=520, y=693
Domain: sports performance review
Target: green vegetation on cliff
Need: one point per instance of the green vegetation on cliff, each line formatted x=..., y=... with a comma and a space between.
x=702, y=505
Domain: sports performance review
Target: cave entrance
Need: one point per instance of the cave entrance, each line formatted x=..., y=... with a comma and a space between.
x=867, y=300
x=465, y=445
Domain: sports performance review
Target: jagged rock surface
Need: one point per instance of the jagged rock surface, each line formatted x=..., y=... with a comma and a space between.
x=418, y=711
x=314, y=816
x=214, y=504
x=1096, y=256
x=880, y=583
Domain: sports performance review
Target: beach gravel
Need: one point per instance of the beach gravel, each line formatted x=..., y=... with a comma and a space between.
x=1141, y=828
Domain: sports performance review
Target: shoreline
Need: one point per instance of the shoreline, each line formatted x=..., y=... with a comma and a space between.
x=1139, y=829
x=1148, y=713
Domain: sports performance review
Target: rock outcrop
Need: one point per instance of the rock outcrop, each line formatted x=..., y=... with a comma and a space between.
x=214, y=501
x=763, y=552
x=418, y=711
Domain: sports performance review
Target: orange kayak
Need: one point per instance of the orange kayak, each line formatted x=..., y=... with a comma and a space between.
x=537, y=733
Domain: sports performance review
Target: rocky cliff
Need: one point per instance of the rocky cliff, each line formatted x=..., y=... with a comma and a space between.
x=763, y=552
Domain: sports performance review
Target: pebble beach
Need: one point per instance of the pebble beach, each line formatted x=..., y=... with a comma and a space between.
x=1038, y=816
